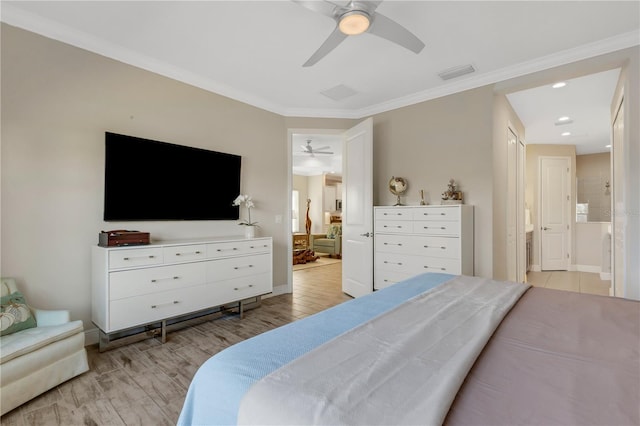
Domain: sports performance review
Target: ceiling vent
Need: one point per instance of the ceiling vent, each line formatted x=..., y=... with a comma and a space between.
x=456, y=72
x=339, y=92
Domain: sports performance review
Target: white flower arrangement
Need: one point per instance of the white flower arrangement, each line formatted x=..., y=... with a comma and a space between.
x=247, y=201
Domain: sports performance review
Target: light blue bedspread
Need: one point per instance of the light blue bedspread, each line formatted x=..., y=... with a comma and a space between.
x=218, y=387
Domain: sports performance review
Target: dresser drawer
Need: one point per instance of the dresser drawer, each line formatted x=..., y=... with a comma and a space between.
x=224, y=269
x=437, y=228
x=394, y=226
x=437, y=213
x=234, y=248
x=136, y=282
x=447, y=247
x=124, y=258
x=390, y=243
x=393, y=213
x=437, y=264
x=242, y=288
x=184, y=253
x=382, y=278
x=413, y=265
x=147, y=308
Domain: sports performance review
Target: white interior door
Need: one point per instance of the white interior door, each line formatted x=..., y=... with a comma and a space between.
x=357, y=210
x=554, y=213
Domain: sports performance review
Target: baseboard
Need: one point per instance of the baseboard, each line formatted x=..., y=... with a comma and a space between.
x=535, y=268
x=587, y=268
x=91, y=337
x=277, y=290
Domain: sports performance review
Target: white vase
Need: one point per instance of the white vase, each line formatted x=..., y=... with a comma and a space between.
x=249, y=231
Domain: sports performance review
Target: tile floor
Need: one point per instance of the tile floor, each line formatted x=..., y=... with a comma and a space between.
x=580, y=282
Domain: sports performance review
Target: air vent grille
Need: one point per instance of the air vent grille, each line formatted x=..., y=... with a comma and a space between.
x=456, y=72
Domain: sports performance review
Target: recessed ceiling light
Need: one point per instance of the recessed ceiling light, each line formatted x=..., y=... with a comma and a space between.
x=607, y=146
x=566, y=134
x=564, y=118
x=559, y=85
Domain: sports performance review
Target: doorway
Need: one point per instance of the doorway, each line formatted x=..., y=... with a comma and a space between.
x=315, y=176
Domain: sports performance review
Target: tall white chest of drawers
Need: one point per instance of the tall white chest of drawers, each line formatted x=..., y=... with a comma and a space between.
x=137, y=285
x=410, y=240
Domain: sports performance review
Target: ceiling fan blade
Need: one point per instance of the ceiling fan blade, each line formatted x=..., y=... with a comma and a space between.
x=329, y=44
x=392, y=31
x=306, y=148
x=321, y=148
x=323, y=7
x=322, y=152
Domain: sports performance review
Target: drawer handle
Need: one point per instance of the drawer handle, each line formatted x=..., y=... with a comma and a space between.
x=231, y=249
x=175, y=302
x=393, y=244
x=442, y=247
x=393, y=263
x=437, y=227
x=139, y=257
x=387, y=214
x=193, y=252
x=264, y=246
x=242, y=288
x=238, y=267
x=389, y=226
x=164, y=279
x=428, y=267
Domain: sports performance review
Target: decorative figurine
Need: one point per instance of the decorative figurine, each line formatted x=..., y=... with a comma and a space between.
x=452, y=195
x=422, y=203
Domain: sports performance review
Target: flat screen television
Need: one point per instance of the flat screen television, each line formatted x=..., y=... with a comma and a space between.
x=148, y=180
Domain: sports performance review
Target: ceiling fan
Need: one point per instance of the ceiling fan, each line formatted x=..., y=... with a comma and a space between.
x=357, y=17
x=308, y=149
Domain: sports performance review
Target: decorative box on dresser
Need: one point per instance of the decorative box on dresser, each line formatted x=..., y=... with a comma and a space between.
x=134, y=286
x=410, y=240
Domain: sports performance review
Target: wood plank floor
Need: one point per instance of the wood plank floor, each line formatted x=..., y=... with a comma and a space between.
x=145, y=383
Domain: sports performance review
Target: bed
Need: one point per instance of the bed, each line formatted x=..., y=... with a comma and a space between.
x=434, y=349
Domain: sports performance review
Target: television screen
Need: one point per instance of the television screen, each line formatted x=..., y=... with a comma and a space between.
x=151, y=180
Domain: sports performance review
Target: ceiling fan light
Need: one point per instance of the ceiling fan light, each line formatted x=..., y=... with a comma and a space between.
x=354, y=22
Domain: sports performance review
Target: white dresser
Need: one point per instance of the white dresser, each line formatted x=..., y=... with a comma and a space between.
x=410, y=240
x=137, y=285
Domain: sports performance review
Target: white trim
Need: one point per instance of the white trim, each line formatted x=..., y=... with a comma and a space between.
x=605, y=276
x=593, y=269
x=535, y=268
x=48, y=28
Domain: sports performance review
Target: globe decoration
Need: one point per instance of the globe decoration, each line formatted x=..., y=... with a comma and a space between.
x=398, y=186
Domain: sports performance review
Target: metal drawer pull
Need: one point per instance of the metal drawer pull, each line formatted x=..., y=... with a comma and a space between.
x=393, y=263
x=396, y=226
x=441, y=214
x=238, y=267
x=175, y=302
x=441, y=227
x=397, y=214
x=393, y=244
x=164, y=279
x=264, y=246
x=193, y=252
x=241, y=288
x=442, y=247
x=231, y=249
x=139, y=257
x=428, y=267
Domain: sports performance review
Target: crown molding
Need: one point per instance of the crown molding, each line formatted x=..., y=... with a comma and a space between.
x=54, y=30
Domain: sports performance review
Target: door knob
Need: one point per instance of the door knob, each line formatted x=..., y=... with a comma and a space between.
x=545, y=228
x=368, y=234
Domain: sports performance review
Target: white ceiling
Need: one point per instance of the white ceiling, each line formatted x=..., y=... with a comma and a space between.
x=253, y=51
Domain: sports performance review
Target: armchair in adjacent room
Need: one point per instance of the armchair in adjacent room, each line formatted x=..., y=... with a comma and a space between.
x=330, y=243
x=39, y=349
